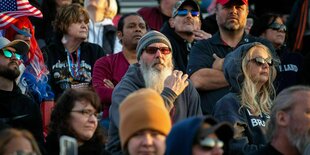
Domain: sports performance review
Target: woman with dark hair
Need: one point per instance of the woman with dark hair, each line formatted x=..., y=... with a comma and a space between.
x=75, y=115
x=250, y=72
x=70, y=57
x=14, y=141
x=271, y=27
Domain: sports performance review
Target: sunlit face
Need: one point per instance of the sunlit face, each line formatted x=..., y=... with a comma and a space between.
x=18, y=144
x=299, y=121
x=147, y=142
x=276, y=37
x=99, y=4
x=158, y=60
x=78, y=30
x=83, y=124
x=258, y=73
x=187, y=23
x=60, y=3
x=231, y=17
x=198, y=150
x=134, y=28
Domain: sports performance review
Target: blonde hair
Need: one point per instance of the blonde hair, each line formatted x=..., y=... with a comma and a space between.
x=258, y=101
x=111, y=10
x=8, y=134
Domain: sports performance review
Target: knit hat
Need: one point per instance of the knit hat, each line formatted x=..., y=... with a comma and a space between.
x=150, y=38
x=143, y=109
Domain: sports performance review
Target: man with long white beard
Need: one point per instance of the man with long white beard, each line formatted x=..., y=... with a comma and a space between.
x=289, y=126
x=154, y=70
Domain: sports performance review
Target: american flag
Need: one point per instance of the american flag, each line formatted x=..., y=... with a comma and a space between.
x=12, y=9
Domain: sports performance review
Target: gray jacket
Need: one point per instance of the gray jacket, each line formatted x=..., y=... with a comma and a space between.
x=186, y=104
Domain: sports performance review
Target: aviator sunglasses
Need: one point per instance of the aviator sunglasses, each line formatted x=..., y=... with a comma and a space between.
x=185, y=12
x=8, y=54
x=153, y=50
x=210, y=143
x=259, y=61
x=278, y=27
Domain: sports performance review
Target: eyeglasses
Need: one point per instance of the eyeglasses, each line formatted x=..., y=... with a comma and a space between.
x=8, y=54
x=87, y=113
x=259, y=61
x=278, y=27
x=210, y=143
x=185, y=12
x=153, y=50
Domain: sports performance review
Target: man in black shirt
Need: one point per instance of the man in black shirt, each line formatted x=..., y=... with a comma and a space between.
x=16, y=109
x=207, y=56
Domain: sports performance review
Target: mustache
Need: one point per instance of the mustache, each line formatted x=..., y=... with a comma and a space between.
x=13, y=63
x=157, y=61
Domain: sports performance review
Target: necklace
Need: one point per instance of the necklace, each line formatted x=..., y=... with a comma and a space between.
x=73, y=66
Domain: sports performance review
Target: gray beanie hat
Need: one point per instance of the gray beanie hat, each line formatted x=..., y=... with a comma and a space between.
x=150, y=38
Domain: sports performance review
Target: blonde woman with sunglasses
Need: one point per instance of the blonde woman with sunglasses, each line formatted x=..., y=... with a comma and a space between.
x=250, y=72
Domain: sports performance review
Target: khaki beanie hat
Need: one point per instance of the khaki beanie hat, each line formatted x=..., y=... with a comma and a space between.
x=143, y=109
x=150, y=38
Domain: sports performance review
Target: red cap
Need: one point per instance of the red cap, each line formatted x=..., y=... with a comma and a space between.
x=223, y=2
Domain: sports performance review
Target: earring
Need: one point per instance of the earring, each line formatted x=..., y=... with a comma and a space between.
x=64, y=39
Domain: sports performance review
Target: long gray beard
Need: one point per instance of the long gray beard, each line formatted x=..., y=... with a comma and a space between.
x=154, y=78
x=299, y=140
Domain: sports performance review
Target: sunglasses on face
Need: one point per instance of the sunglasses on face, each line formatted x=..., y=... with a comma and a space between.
x=259, y=61
x=210, y=143
x=153, y=50
x=8, y=54
x=278, y=27
x=185, y=12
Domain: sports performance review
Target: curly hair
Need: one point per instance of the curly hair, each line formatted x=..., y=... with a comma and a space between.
x=7, y=135
x=67, y=15
x=258, y=101
x=61, y=114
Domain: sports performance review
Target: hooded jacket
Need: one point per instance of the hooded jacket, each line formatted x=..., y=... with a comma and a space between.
x=186, y=104
x=249, y=129
x=183, y=135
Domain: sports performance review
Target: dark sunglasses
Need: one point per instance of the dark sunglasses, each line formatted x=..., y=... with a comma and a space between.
x=278, y=27
x=259, y=61
x=153, y=50
x=185, y=12
x=208, y=144
x=8, y=54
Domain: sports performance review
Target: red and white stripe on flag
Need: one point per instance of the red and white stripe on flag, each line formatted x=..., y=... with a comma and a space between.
x=10, y=10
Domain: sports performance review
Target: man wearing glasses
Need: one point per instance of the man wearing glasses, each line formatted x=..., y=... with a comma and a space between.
x=154, y=70
x=183, y=29
x=16, y=109
x=207, y=56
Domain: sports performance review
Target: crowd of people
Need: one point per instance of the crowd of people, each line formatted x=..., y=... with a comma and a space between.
x=162, y=80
